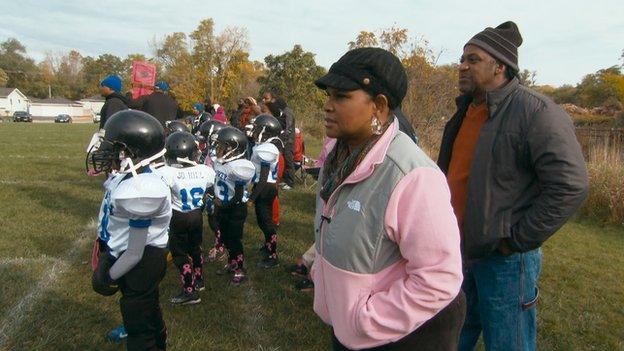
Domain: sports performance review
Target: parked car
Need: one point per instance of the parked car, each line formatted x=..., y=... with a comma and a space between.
x=63, y=118
x=22, y=116
x=96, y=117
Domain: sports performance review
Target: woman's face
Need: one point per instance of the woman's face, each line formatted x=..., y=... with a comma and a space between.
x=348, y=115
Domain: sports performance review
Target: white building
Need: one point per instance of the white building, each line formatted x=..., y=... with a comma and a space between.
x=93, y=104
x=11, y=100
x=48, y=109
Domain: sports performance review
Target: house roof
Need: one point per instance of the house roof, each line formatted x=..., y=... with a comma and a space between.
x=96, y=97
x=53, y=101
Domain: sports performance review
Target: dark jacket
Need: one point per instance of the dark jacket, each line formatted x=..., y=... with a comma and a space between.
x=115, y=102
x=527, y=177
x=404, y=125
x=160, y=105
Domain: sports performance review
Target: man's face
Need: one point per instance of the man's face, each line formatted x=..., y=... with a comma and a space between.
x=268, y=97
x=105, y=91
x=477, y=70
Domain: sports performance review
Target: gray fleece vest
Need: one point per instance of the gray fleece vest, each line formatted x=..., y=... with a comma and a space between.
x=353, y=234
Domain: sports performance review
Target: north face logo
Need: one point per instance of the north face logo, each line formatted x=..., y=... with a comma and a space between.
x=354, y=205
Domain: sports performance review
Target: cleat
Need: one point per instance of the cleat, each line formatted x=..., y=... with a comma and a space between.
x=199, y=284
x=268, y=262
x=239, y=277
x=298, y=270
x=185, y=298
x=117, y=334
x=306, y=285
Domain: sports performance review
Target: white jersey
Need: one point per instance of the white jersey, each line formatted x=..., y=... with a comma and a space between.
x=188, y=185
x=143, y=201
x=231, y=174
x=265, y=154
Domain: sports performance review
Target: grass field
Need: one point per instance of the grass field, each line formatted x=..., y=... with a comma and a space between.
x=47, y=224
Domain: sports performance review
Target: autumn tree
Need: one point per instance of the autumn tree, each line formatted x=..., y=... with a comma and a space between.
x=292, y=75
x=21, y=70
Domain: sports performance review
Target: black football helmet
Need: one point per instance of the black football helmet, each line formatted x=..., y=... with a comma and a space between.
x=181, y=149
x=131, y=139
x=175, y=126
x=230, y=144
x=265, y=128
x=208, y=129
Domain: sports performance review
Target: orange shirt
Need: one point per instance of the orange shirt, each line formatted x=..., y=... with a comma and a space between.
x=461, y=158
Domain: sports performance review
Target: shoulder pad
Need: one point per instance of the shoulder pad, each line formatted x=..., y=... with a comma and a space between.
x=141, y=196
x=243, y=170
x=267, y=152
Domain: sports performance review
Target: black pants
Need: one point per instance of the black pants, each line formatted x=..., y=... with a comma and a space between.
x=440, y=333
x=185, y=237
x=264, y=210
x=289, y=165
x=139, y=304
x=231, y=223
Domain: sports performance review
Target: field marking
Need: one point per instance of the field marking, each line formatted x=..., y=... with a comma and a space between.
x=14, y=317
x=27, y=260
x=40, y=157
x=43, y=182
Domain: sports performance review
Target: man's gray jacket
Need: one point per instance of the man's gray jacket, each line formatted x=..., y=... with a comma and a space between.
x=527, y=177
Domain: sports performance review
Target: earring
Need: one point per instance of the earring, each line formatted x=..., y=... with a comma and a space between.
x=376, y=126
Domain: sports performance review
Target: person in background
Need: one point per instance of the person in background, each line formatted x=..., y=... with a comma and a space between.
x=516, y=174
x=160, y=104
x=280, y=110
x=110, y=88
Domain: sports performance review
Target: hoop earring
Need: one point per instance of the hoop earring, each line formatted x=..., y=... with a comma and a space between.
x=376, y=126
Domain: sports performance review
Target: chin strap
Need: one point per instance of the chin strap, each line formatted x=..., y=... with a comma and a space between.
x=225, y=158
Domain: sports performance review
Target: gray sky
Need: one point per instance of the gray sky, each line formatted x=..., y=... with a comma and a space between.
x=563, y=40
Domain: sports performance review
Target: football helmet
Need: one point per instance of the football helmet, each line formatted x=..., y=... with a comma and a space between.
x=181, y=148
x=230, y=144
x=175, y=126
x=265, y=128
x=208, y=129
x=131, y=139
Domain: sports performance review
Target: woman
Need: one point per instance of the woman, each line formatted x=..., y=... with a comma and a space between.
x=388, y=272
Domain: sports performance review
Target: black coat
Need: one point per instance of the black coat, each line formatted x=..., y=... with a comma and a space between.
x=115, y=102
x=160, y=105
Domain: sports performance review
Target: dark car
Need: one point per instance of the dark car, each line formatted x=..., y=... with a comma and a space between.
x=22, y=116
x=63, y=119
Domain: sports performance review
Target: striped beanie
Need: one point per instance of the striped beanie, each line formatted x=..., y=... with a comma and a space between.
x=501, y=42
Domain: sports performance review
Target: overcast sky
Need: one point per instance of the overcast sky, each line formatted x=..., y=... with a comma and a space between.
x=563, y=40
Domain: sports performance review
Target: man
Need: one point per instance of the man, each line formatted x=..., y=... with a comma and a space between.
x=110, y=88
x=286, y=116
x=159, y=104
x=516, y=175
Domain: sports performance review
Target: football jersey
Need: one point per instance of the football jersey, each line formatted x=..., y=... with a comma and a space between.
x=188, y=185
x=231, y=174
x=265, y=154
x=143, y=201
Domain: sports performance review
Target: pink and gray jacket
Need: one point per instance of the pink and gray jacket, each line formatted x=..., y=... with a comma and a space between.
x=388, y=246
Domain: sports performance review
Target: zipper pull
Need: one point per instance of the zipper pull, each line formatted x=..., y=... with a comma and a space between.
x=326, y=219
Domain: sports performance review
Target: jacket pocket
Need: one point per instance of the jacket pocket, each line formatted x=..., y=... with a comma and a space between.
x=361, y=324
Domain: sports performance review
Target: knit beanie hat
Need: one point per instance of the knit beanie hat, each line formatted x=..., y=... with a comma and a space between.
x=374, y=70
x=501, y=42
x=112, y=81
x=199, y=106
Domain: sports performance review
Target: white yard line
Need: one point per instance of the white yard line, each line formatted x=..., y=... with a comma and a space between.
x=14, y=317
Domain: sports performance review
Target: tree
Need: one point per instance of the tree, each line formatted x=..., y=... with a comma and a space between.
x=292, y=76
x=20, y=69
x=527, y=78
x=95, y=69
x=4, y=78
x=364, y=39
x=595, y=89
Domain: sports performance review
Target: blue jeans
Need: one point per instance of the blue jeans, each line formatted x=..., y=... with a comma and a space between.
x=501, y=294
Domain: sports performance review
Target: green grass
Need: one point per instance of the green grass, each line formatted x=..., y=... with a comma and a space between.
x=47, y=207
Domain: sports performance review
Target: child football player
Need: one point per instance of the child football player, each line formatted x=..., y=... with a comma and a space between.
x=188, y=181
x=134, y=220
x=265, y=158
x=233, y=174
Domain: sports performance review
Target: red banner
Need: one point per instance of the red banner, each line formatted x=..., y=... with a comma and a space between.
x=143, y=78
